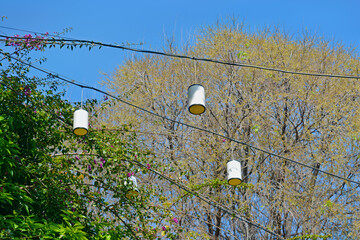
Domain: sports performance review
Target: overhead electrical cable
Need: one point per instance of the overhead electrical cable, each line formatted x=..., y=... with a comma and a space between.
x=94, y=43
x=188, y=125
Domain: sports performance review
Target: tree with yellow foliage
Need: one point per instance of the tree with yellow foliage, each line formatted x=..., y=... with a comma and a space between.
x=313, y=120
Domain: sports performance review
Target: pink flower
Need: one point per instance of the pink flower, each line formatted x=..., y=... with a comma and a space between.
x=223, y=140
x=148, y=166
x=89, y=167
x=77, y=158
x=130, y=174
x=164, y=228
x=102, y=160
x=175, y=220
x=101, y=165
x=27, y=90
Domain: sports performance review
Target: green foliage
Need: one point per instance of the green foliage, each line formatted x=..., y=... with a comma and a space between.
x=55, y=185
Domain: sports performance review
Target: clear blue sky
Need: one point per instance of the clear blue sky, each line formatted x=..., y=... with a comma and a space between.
x=148, y=21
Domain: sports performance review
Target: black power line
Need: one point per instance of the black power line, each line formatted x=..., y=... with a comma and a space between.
x=187, y=125
x=93, y=43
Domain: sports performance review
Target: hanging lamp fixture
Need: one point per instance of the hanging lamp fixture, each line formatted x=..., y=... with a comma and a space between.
x=133, y=191
x=196, y=97
x=234, y=172
x=81, y=120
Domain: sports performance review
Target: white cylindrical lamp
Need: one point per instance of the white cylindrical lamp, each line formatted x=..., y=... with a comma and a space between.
x=196, y=99
x=133, y=190
x=81, y=121
x=234, y=172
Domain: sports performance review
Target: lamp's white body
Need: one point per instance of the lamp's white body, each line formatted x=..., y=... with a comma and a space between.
x=234, y=172
x=133, y=190
x=81, y=122
x=196, y=99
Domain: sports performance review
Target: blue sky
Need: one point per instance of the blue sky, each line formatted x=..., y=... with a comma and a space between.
x=149, y=21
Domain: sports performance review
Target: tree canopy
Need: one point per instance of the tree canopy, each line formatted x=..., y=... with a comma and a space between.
x=310, y=119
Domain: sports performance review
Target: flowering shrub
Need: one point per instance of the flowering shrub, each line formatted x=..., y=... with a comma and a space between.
x=27, y=41
x=54, y=184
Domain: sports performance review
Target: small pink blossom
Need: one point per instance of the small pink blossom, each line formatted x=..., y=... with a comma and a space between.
x=27, y=90
x=175, y=220
x=130, y=174
x=89, y=167
x=148, y=166
x=224, y=140
x=164, y=228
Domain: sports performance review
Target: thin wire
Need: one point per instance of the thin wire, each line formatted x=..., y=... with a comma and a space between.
x=93, y=43
x=188, y=125
x=195, y=71
x=29, y=31
x=232, y=151
x=82, y=93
